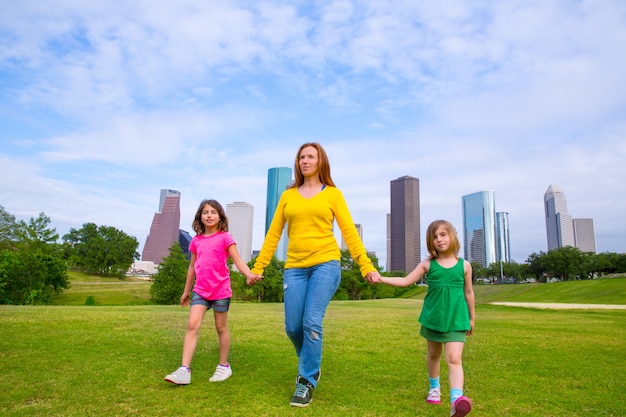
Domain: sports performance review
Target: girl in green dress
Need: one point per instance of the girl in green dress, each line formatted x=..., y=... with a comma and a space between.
x=447, y=316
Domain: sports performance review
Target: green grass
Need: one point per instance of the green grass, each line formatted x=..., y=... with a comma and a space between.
x=598, y=291
x=111, y=360
x=109, y=291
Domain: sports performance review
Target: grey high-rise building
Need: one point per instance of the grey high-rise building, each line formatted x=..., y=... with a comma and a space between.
x=559, y=224
x=479, y=228
x=164, y=230
x=503, y=241
x=278, y=179
x=404, y=224
x=240, y=220
x=585, y=235
x=359, y=230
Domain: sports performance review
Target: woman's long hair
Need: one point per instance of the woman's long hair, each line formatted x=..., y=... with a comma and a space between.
x=323, y=167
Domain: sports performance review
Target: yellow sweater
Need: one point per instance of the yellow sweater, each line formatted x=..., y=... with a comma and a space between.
x=310, y=231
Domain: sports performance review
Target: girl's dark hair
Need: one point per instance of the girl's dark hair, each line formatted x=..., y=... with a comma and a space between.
x=197, y=224
x=455, y=245
x=323, y=167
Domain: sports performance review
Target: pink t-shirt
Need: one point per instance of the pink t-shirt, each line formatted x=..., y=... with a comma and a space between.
x=212, y=273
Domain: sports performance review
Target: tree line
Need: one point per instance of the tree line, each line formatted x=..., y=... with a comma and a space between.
x=565, y=264
x=34, y=265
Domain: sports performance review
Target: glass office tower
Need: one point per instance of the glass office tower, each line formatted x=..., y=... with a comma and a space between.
x=503, y=242
x=278, y=179
x=479, y=228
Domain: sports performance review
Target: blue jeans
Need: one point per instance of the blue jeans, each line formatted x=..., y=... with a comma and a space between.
x=308, y=292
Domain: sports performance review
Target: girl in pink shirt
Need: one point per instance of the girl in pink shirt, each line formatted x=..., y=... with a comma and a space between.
x=210, y=249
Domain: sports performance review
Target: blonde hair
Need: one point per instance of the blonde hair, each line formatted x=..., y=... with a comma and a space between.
x=323, y=167
x=431, y=232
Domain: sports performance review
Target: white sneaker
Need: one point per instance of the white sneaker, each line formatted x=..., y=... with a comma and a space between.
x=434, y=396
x=222, y=373
x=181, y=376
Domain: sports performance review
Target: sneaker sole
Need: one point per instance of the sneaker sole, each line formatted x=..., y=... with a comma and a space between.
x=433, y=402
x=301, y=405
x=176, y=382
x=220, y=380
x=462, y=407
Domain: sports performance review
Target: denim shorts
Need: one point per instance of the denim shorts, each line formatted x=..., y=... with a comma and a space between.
x=221, y=306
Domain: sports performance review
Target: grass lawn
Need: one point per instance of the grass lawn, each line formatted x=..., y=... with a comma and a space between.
x=111, y=360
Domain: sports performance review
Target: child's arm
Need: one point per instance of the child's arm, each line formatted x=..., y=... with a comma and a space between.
x=469, y=294
x=420, y=270
x=185, y=299
x=242, y=266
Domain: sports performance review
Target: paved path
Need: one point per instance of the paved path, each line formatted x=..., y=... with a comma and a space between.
x=565, y=306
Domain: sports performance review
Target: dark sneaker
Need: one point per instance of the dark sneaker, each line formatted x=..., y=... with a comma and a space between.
x=303, y=395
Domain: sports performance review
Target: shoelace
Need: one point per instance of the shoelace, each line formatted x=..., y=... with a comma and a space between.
x=180, y=371
x=301, y=390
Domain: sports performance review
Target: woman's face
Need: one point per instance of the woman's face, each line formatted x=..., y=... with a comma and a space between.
x=308, y=161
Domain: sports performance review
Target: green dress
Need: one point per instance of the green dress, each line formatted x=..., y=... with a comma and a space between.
x=445, y=314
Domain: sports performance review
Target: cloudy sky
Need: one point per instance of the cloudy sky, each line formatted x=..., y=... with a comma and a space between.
x=104, y=103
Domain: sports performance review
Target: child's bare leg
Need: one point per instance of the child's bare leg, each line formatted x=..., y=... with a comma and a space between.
x=191, y=335
x=454, y=359
x=221, y=325
x=433, y=358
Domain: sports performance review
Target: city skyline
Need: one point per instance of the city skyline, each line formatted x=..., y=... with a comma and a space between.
x=561, y=228
x=105, y=104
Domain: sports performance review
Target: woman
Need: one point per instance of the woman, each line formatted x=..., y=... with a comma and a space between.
x=312, y=269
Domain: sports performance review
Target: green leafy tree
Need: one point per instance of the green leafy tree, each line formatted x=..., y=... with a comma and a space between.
x=32, y=268
x=169, y=281
x=100, y=250
x=353, y=286
x=8, y=227
x=270, y=288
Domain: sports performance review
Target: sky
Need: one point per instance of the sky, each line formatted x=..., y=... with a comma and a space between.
x=104, y=103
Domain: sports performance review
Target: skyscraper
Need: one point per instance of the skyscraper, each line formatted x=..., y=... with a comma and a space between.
x=240, y=218
x=559, y=224
x=359, y=230
x=479, y=228
x=404, y=224
x=503, y=241
x=585, y=235
x=164, y=230
x=278, y=179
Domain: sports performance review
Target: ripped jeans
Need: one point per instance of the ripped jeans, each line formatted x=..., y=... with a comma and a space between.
x=307, y=294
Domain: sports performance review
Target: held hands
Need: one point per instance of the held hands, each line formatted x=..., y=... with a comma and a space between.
x=252, y=279
x=373, y=277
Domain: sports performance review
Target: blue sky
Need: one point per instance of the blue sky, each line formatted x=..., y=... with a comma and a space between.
x=104, y=103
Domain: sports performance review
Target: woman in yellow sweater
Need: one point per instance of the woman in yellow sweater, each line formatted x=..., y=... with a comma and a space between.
x=312, y=269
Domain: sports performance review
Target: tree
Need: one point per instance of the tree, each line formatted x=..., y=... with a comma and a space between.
x=169, y=281
x=100, y=250
x=270, y=288
x=8, y=227
x=32, y=268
